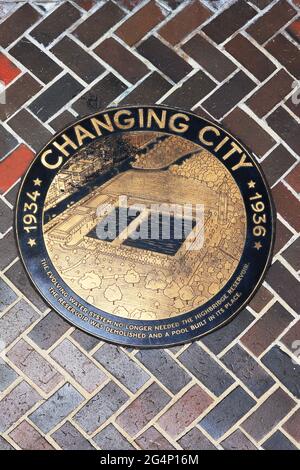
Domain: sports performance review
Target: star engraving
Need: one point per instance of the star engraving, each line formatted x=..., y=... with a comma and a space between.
x=37, y=182
x=257, y=245
x=251, y=184
x=31, y=242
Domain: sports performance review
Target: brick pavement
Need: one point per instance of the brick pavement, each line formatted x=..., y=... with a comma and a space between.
x=234, y=61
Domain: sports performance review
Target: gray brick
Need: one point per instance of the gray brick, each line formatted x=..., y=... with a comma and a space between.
x=151, y=439
x=219, y=339
x=55, y=97
x=237, y=441
x=111, y=439
x=101, y=407
x=18, y=402
x=56, y=408
x=86, y=341
x=48, y=330
x=278, y=441
x=18, y=276
x=206, y=369
x=7, y=142
x=226, y=413
x=4, y=445
x=30, y=129
x=7, y=375
x=80, y=367
x=282, y=365
x=7, y=296
x=69, y=438
x=121, y=366
x=6, y=214
x=268, y=414
x=248, y=370
x=165, y=368
x=195, y=440
x=8, y=249
x=15, y=321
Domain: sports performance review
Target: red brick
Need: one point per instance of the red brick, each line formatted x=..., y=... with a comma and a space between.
x=286, y=53
x=8, y=70
x=121, y=59
x=133, y=29
x=266, y=329
x=287, y=205
x=286, y=127
x=28, y=438
x=267, y=25
x=282, y=236
x=184, y=411
x=14, y=166
x=294, y=30
x=293, y=178
x=250, y=57
x=184, y=22
x=271, y=93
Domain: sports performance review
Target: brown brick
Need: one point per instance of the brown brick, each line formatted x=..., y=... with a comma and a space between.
x=56, y=23
x=121, y=59
x=209, y=57
x=291, y=338
x=148, y=91
x=17, y=94
x=277, y=163
x=18, y=402
x=98, y=23
x=293, y=178
x=268, y=414
x=7, y=143
x=269, y=23
x=287, y=205
x=193, y=90
x=17, y=23
x=144, y=408
x=137, y=25
x=80, y=367
x=271, y=93
x=185, y=410
x=261, y=299
x=293, y=104
x=250, y=57
x=286, y=127
x=164, y=58
x=282, y=236
x=77, y=59
x=151, y=439
x=267, y=329
x=62, y=120
x=292, y=426
x=285, y=284
x=39, y=63
x=229, y=21
x=32, y=364
x=184, y=22
x=30, y=129
x=28, y=438
x=244, y=128
x=286, y=53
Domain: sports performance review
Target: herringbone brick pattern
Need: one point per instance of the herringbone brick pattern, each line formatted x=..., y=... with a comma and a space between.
x=234, y=61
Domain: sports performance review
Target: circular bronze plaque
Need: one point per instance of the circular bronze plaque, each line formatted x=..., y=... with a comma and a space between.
x=145, y=226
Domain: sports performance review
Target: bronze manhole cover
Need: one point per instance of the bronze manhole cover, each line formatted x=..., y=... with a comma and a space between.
x=145, y=226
